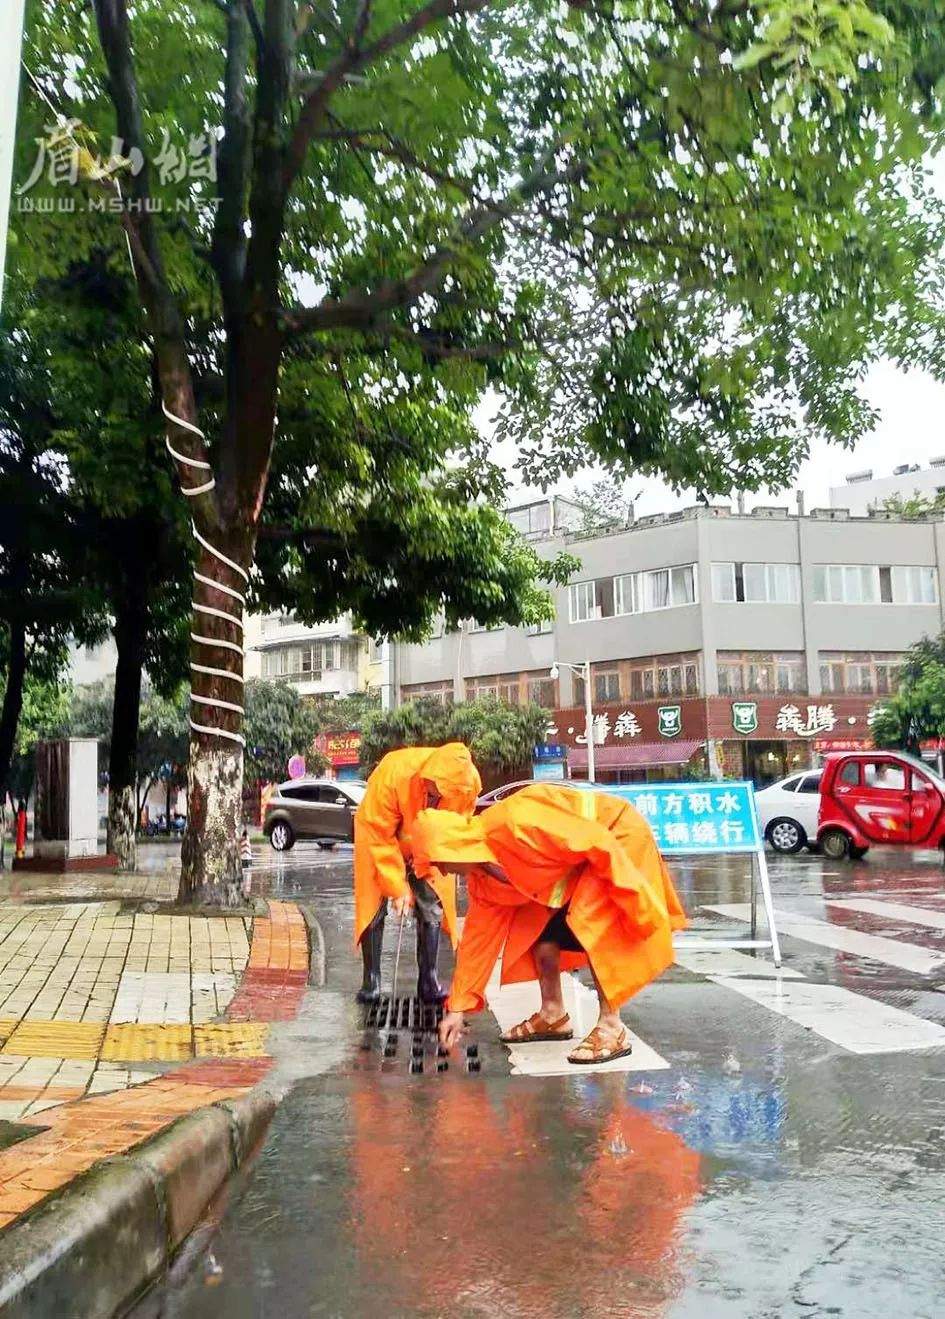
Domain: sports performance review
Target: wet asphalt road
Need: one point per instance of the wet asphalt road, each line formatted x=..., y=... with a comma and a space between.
x=765, y=1172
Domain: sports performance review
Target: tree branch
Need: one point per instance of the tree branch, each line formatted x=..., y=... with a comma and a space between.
x=363, y=310
x=255, y=25
x=356, y=57
x=229, y=239
x=166, y=321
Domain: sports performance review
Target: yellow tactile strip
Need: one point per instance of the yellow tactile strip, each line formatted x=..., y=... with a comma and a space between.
x=122, y=1104
x=141, y=1042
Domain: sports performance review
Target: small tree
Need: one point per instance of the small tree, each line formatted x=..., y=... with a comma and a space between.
x=279, y=724
x=916, y=712
x=44, y=713
x=915, y=506
x=501, y=737
x=347, y=714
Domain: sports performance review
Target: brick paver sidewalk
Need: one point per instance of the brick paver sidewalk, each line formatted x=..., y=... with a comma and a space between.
x=98, y=1010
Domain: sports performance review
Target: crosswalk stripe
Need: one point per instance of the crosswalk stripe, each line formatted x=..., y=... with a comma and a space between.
x=725, y=962
x=906, y=956
x=515, y=1003
x=856, y=1023
x=894, y=911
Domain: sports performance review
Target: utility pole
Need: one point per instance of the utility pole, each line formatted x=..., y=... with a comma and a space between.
x=11, y=41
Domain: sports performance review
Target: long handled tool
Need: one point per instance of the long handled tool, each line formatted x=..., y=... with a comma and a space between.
x=390, y=1045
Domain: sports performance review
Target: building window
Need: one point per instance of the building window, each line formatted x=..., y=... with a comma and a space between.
x=541, y=629
x=436, y=691
x=502, y=687
x=870, y=584
x=664, y=675
x=607, y=686
x=756, y=583
x=860, y=671
x=473, y=625
x=592, y=600
x=761, y=673
x=533, y=520
x=913, y=586
x=633, y=593
x=543, y=692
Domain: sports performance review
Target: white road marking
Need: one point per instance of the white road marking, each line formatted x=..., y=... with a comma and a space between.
x=854, y=1022
x=514, y=1003
x=906, y=956
x=727, y=962
x=895, y=911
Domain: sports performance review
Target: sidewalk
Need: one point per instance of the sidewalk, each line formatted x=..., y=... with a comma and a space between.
x=114, y=1022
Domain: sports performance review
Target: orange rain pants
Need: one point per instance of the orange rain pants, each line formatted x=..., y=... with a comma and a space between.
x=384, y=820
x=559, y=846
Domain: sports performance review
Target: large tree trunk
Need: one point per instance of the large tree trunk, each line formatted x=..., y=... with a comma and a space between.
x=12, y=701
x=130, y=625
x=210, y=863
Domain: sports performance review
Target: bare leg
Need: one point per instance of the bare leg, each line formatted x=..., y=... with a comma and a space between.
x=548, y=962
x=608, y=1016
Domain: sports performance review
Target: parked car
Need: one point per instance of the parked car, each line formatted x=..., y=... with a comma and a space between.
x=507, y=789
x=788, y=811
x=319, y=809
x=879, y=797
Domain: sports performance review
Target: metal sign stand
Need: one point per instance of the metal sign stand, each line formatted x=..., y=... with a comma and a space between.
x=688, y=820
x=759, y=877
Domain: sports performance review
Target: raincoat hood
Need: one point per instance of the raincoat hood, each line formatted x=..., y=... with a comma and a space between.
x=442, y=838
x=457, y=780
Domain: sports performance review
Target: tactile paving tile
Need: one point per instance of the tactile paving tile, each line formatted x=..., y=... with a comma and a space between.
x=234, y=1039
x=137, y=1043
x=56, y=1039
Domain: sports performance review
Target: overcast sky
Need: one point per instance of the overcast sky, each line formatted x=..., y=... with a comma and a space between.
x=911, y=429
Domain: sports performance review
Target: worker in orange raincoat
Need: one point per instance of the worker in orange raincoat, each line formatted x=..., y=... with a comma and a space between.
x=557, y=877
x=403, y=784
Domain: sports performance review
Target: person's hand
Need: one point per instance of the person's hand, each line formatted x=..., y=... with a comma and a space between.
x=402, y=905
x=452, y=1029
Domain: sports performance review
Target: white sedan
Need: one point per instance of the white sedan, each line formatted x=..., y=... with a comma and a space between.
x=787, y=811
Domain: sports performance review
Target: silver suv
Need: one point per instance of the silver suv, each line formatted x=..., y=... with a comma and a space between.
x=322, y=809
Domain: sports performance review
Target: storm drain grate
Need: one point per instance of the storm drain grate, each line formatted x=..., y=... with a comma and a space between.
x=405, y=1030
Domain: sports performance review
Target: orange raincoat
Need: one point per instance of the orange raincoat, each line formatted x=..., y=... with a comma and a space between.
x=384, y=820
x=558, y=846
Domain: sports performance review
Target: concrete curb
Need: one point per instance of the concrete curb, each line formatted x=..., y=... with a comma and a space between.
x=95, y=1247
x=317, y=956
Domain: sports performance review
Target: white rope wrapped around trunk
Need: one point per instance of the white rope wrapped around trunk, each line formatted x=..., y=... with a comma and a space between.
x=190, y=491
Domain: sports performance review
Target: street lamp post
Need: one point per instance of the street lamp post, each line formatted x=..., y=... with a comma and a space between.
x=585, y=672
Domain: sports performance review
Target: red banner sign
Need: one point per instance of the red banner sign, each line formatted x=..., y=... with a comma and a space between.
x=340, y=748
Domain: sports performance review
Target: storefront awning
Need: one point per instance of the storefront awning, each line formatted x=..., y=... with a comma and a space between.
x=639, y=755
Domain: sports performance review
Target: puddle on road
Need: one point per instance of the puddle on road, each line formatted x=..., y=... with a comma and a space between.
x=766, y=1174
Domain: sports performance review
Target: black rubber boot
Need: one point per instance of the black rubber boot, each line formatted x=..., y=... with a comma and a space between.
x=429, y=989
x=372, y=941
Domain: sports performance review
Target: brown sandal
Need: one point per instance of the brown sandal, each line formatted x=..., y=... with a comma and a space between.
x=536, y=1030
x=600, y=1050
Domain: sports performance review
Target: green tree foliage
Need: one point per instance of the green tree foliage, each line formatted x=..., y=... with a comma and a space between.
x=501, y=737
x=915, y=506
x=279, y=725
x=346, y=714
x=47, y=590
x=605, y=505
x=44, y=714
x=916, y=712
x=161, y=750
x=666, y=257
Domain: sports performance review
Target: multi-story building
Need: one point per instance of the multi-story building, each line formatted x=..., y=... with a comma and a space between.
x=717, y=642
x=325, y=660
x=864, y=490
